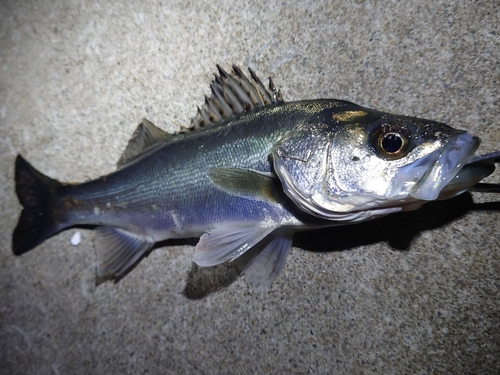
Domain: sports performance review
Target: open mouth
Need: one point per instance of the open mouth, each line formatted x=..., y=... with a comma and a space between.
x=452, y=158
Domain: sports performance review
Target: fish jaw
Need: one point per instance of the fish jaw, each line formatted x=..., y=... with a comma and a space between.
x=451, y=158
x=468, y=178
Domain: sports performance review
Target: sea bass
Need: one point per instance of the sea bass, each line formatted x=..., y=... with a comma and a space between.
x=250, y=172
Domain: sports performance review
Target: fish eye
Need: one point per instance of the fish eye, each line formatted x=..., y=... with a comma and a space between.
x=390, y=141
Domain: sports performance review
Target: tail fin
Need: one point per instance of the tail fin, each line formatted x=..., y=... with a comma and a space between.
x=36, y=193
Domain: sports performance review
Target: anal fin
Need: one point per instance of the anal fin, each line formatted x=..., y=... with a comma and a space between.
x=117, y=250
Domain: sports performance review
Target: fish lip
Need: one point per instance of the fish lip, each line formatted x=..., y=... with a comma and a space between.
x=452, y=157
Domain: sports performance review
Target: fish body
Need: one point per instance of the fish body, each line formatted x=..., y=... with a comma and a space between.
x=255, y=171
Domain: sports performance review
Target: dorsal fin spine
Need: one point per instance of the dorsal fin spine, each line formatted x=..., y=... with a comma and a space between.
x=248, y=87
x=234, y=94
x=239, y=92
x=222, y=72
x=221, y=103
x=229, y=96
x=204, y=116
x=266, y=98
x=212, y=112
x=277, y=97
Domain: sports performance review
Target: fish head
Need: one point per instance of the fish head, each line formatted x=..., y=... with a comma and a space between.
x=354, y=163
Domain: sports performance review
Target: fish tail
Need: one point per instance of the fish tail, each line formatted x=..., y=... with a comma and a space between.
x=37, y=193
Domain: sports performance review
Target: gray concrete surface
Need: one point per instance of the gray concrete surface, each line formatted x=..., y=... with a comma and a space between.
x=410, y=294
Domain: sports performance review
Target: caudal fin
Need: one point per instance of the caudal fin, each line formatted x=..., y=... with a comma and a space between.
x=36, y=193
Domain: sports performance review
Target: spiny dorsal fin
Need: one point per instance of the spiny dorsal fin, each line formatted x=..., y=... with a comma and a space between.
x=145, y=136
x=234, y=94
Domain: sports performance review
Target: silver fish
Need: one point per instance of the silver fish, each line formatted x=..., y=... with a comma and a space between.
x=250, y=172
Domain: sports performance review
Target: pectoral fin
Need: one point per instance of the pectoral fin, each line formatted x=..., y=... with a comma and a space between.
x=117, y=250
x=228, y=242
x=247, y=183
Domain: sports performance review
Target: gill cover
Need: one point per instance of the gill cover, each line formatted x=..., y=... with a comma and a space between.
x=330, y=171
x=301, y=162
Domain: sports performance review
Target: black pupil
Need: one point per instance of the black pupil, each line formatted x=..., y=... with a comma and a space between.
x=392, y=143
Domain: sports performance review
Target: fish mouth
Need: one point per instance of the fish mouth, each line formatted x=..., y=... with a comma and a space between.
x=442, y=169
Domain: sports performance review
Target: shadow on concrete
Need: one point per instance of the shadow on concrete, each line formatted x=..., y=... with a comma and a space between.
x=397, y=230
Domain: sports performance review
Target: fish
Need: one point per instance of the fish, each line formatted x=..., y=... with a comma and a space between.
x=249, y=172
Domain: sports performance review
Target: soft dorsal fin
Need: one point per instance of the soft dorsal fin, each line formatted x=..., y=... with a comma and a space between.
x=234, y=94
x=145, y=136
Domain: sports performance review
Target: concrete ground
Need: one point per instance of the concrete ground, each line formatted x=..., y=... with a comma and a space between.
x=416, y=293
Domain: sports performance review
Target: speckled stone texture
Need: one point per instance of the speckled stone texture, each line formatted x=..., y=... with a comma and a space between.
x=416, y=293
